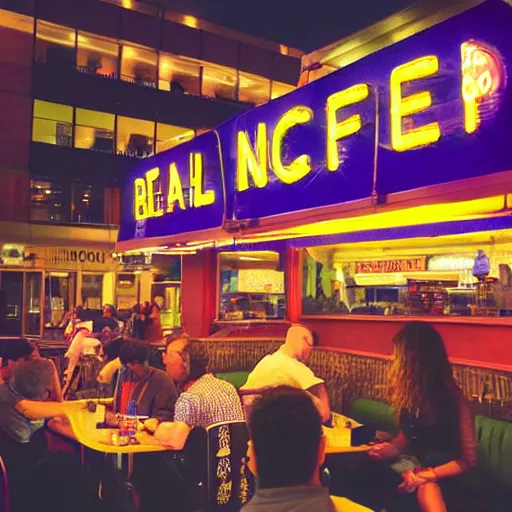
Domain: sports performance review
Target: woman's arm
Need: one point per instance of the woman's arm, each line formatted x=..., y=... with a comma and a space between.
x=468, y=444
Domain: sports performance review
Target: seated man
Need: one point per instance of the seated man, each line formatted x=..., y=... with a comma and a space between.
x=54, y=480
x=205, y=400
x=150, y=389
x=287, y=367
x=286, y=450
x=19, y=352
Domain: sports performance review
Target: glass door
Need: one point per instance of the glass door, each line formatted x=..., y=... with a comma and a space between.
x=59, y=290
x=33, y=289
x=168, y=297
x=11, y=302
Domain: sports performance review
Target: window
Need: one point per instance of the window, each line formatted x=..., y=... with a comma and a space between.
x=49, y=202
x=179, y=75
x=94, y=130
x=59, y=297
x=139, y=66
x=92, y=291
x=53, y=123
x=55, y=44
x=219, y=82
x=279, y=89
x=87, y=205
x=168, y=136
x=253, y=89
x=135, y=137
x=97, y=55
x=427, y=281
x=251, y=286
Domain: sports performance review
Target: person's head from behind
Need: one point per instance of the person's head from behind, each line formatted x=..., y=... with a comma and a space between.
x=420, y=369
x=286, y=446
x=176, y=358
x=300, y=341
x=111, y=350
x=34, y=379
x=18, y=352
x=134, y=355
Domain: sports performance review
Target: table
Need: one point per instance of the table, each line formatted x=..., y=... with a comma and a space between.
x=338, y=438
x=84, y=423
x=346, y=505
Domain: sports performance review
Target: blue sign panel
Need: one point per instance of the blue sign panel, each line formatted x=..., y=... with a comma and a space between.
x=432, y=109
x=437, y=99
x=177, y=191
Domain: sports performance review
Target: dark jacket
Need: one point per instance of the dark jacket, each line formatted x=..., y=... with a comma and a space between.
x=155, y=393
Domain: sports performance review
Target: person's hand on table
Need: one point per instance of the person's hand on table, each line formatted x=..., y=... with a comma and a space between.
x=151, y=425
x=383, y=451
x=111, y=419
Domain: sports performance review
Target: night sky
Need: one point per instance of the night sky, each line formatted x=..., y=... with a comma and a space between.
x=304, y=24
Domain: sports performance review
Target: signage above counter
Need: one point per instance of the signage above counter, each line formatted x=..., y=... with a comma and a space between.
x=432, y=109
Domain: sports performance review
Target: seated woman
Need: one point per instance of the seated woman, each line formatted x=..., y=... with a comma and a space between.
x=437, y=439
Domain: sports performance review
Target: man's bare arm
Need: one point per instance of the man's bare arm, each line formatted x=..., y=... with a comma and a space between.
x=321, y=400
x=34, y=410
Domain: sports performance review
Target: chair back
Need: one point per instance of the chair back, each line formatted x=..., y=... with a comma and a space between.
x=229, y=484
x=4, y=488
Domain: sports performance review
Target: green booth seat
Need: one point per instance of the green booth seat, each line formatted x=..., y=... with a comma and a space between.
x=495, y=451
x=377, y=415
x=238, y=379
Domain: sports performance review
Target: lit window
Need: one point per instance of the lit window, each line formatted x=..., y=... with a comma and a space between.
x=92, y=291
x=135, y=137
x=97, y=55
x=279, y=89
x=55, y=44
x=168, y=136
x=139, y=66
x=179, y=75
x=253, y=89
x=53, y=123
x=219, y=82
x=251, y=286
x=87, y=205
x=15, y=21
x=49, y=202
x=135, y=5
x=94, y=130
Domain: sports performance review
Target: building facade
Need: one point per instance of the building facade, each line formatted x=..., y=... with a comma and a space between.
x=86, y=90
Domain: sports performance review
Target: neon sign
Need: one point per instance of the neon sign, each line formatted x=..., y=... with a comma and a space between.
x=481, y=78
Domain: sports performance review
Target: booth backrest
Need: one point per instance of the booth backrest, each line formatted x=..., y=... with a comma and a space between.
x=238, y=379
x=495, y=450
x=377, y=415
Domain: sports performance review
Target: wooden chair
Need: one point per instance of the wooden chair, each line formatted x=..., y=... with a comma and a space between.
x=229, y=484
x=4, y=488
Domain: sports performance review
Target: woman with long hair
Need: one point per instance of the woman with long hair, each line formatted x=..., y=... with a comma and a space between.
x=437, y=438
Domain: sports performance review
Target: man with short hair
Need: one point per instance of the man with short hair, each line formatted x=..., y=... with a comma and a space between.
x=176, y=359
x=286, y=450
x=205, y=400
x=287, y=367
x=54, y=480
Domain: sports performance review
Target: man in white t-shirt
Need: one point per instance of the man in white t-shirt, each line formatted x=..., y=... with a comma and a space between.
x=287, y=367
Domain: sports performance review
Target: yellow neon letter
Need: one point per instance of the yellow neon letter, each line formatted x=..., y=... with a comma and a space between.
x=406, y=106
x=151, y=176
x=302, y=164
x=248, y=162
x=141, y=196
x=175, y=189
x=198, y=198
x=351, y=125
